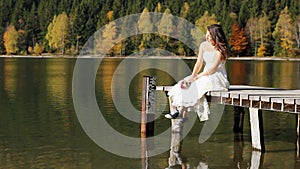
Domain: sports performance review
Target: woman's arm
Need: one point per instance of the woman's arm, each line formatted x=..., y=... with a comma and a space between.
x=213, y=68
x=198, y=64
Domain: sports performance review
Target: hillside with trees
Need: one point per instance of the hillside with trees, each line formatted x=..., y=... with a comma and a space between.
x=253, y=28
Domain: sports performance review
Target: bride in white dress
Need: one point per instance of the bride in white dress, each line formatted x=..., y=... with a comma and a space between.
x=189, y=94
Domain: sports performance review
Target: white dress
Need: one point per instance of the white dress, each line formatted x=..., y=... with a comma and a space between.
x=194, y=98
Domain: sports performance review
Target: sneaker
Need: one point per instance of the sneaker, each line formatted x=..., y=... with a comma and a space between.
x=172, y=115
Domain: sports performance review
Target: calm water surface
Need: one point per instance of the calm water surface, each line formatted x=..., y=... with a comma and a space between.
x=39, y=127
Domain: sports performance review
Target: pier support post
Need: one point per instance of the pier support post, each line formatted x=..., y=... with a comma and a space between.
x=239, y=115
x=298, y=138
x=297, y=155
x=257, y=131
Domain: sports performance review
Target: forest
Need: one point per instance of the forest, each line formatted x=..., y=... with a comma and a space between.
x=259, y=28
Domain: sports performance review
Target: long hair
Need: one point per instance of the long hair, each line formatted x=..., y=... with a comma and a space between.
x=219, y=38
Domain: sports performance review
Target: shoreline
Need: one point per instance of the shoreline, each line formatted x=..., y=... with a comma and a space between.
x=246, y=58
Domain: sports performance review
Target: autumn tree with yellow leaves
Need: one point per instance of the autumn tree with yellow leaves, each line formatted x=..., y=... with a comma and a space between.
x=108, y=43
x=10, y=38
x=201, y=24
x=58, y=32
x=284, y=36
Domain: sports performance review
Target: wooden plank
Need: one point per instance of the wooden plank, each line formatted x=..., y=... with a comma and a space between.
x=290, y=100
x=254, y=98
x=274, y=96
x=284, y=99
x=298, y=101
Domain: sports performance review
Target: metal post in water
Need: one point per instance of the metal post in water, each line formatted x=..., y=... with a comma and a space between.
x=147, y=118
x=148, y=106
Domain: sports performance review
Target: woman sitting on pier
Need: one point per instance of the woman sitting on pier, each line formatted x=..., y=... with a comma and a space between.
x=190, y=92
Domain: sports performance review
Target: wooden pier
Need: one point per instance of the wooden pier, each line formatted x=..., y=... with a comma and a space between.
x=240, y=96
x=255, y=97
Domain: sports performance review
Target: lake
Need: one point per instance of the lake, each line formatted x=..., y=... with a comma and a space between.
x=40, y=127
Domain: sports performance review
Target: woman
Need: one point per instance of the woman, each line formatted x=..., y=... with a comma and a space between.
x=189, y=93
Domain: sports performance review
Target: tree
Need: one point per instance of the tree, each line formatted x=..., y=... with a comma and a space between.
x=297, y=32
x=22, y=41
x=254, y=7
x=58, y=31
x=259, y=31
x=284, y=35
x=64, y=6
x=238, y=40
x=32, y=26
x=46, y=10
x=106, y=41
x=38, y=49
x=269, y=8
x=7, y=10
x=295, y=8
x=158, y=7
x=206, y=20
x=244, y=13
x=117, y=6
x=184, y=31
x=264, y=29
x=10, y=38
x=165, y=26
x=261, y=50
x=185, y=10
x=110, y=16
x=85, y=22
x=201, y=25
x=252, y=31
x=145, y=25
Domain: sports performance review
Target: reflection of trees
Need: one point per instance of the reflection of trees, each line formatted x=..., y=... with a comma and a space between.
x=44, y=157
x=58, y=85
x=35, y=126
x=238, y=72
x=286, y=79
x=56, y=81
x=285, y=74
x=279, y=74
x=9, y=80
x=261, y=73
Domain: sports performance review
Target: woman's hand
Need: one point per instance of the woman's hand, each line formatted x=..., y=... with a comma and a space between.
x=195, y=77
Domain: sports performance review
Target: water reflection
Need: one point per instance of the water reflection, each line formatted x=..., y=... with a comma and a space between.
x=176, y=160
x=39, y=127
x=175, y=156
x=278, y=74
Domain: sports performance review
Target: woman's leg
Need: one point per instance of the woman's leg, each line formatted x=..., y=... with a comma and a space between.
x=172, y=108
x=174, y=112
